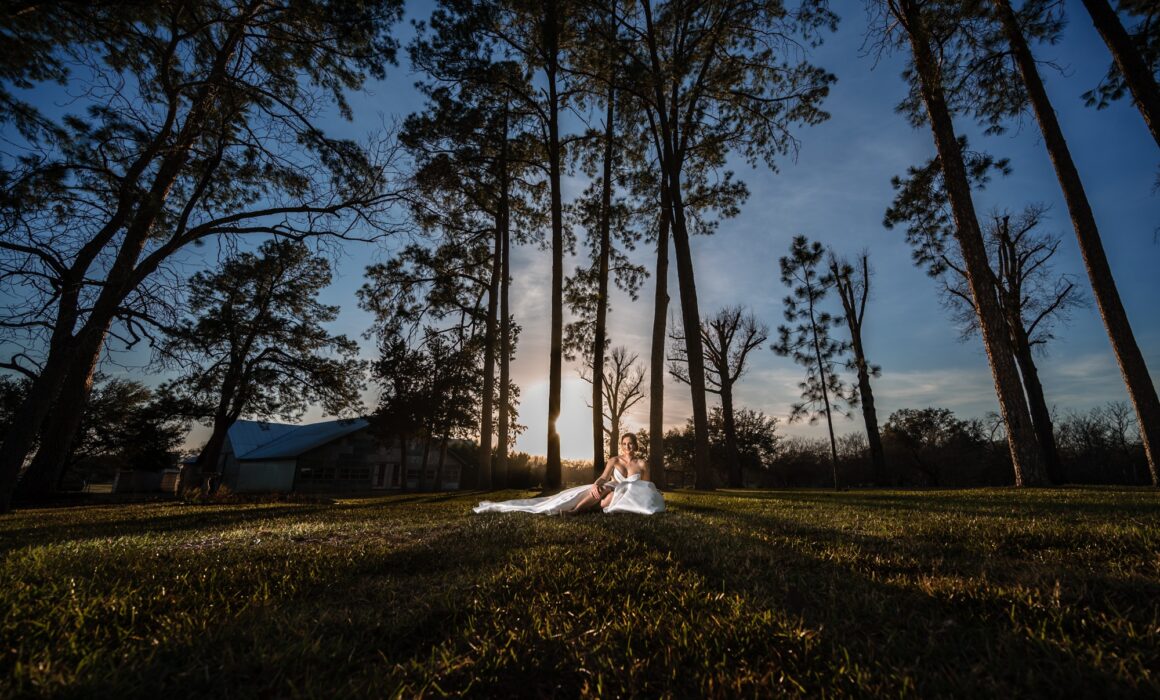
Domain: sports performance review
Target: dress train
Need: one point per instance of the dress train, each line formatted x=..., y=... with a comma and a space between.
x=630, y=494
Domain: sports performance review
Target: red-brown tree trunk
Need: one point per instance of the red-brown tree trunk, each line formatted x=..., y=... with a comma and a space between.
x=1134, y=371
x=1025, y=456
x=1137, y=75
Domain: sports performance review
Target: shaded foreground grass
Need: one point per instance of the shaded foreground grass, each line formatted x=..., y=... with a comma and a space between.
x=1003, y=593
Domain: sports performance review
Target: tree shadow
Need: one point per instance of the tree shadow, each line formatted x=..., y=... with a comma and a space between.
x=86, y=522
x=838, y=611
x=923, y=625
x=349, y=633
x=1050, y=501
x=64, y=526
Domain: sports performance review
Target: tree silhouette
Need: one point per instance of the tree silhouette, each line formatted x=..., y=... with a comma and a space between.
x=809, y=343
x=1133, y=369
x=254, y=344
x=127, y=425
x=473, y=148
x=1031, y=297
x=537, y=37
x=708, y=78
x=927, y=434
x=200, y=120
x=622, y=390
x=756, y=433
x=934, y=32
x=1135, y=58
x=401, y=373
x=727, y=338
x=1034, y=300
x=853, y=286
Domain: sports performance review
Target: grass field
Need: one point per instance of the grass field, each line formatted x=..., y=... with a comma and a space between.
x=983, y=593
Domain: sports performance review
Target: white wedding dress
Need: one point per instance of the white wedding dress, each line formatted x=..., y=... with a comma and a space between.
x=630, y=494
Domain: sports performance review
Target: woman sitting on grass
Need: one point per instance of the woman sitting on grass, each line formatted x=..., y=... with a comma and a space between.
x=624, y=487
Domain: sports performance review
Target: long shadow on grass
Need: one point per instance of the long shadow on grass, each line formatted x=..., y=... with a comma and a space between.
x=80, y=523
x=74, y=525
x=380, y=616
x=1121, y=502
x=365, y=629
x=876, y=620
x=1012, y=554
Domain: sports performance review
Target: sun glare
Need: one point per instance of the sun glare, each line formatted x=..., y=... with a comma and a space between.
x=574, y=424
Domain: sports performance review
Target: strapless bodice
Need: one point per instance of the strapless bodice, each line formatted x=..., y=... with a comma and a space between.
x=621, y=478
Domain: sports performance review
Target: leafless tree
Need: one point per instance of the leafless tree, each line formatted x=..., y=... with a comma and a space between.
x=620, y=390
x=1033, y=298
x=727, y=338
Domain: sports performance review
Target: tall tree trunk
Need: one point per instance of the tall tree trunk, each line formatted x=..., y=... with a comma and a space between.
x=599, y=332
x=870, y=417
x=614, y=432
x=825, y=397
x=67, y=350
x=424, y=484
x=403, y=478
x=194, y=475
x=26, y=424
x=656, y=403
x=442, y=463
x=487, y=409
x=1137, y=75
x=225, y=415
x=553, y=474
x=1134, y=371
x=692, y=322
x=499, y=469
x=1008, y=387
x=1037, y=403
x=736, y=478
x=59, y=431
x=853, y=309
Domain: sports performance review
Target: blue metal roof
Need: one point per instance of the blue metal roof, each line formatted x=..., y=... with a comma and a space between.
x=261, y=440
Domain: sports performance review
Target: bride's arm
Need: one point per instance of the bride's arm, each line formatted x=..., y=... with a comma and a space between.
x=603, y=479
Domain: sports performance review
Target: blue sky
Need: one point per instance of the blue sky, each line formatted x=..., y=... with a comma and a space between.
x=837, y=192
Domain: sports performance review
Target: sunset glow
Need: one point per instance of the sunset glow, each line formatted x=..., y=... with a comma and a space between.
x=574, y=425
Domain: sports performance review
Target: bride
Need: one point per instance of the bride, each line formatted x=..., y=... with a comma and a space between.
x=624, y=487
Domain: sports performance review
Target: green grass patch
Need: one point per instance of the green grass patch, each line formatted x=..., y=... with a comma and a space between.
x=981, y=593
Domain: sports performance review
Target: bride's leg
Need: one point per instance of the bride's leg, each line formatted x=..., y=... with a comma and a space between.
x=589, y=502
x=582, y=505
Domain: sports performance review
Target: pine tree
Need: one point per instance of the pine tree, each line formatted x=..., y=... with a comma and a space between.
x=808, y=341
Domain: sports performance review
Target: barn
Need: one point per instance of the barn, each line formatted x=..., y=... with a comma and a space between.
x=337, y=455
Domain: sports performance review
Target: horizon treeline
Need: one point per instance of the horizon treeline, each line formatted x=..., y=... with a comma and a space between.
x=208, y=121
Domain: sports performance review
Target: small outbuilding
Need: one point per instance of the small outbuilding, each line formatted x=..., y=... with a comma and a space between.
x=338, y=455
